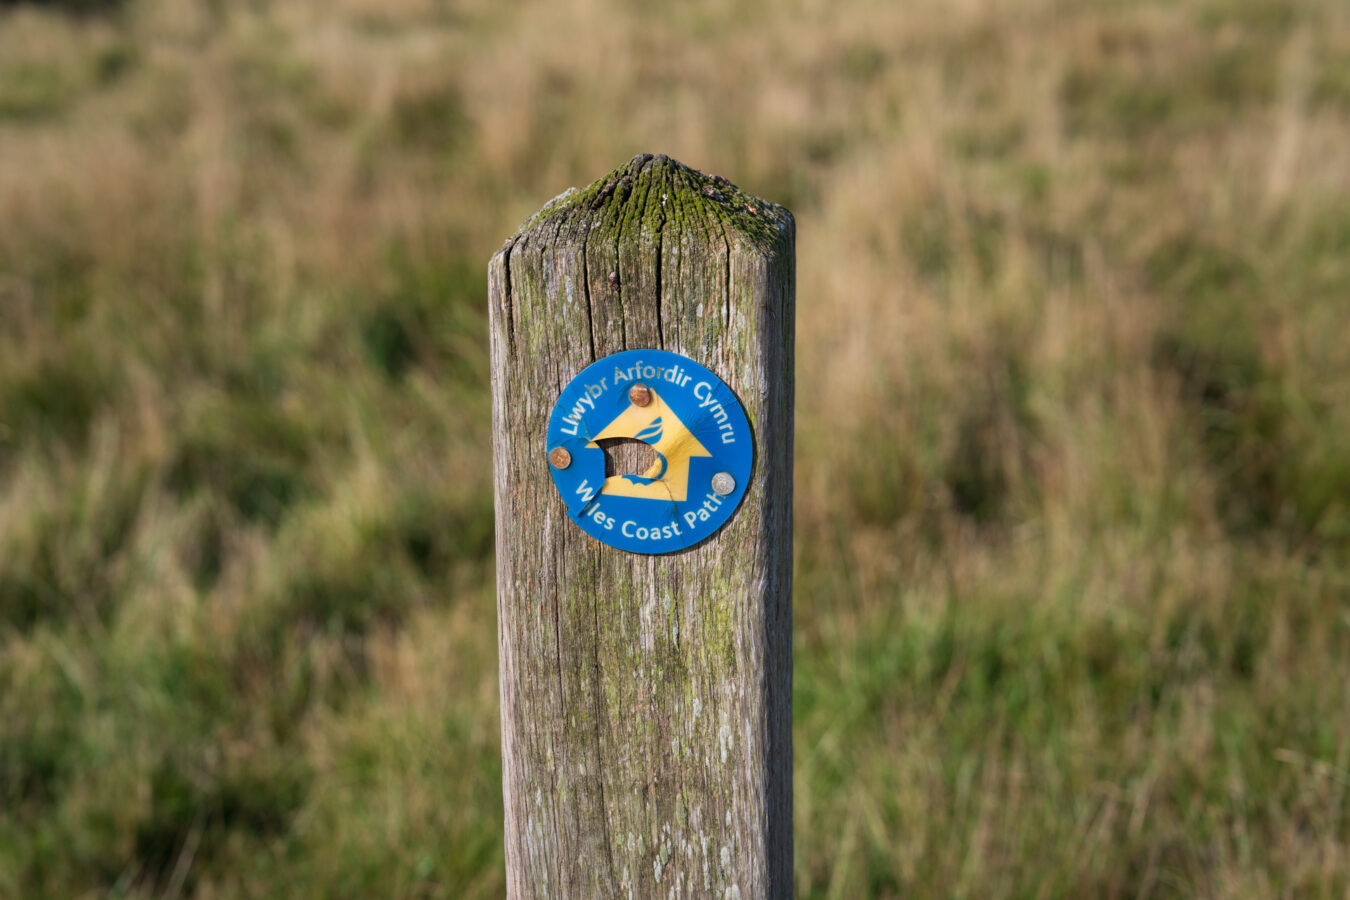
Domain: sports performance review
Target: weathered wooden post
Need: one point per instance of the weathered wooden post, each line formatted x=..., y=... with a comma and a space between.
x=646, y=697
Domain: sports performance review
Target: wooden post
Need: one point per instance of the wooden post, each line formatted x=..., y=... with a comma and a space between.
x=646, y=701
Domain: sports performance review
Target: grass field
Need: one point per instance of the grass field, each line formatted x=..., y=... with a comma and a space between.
x=1073, y=485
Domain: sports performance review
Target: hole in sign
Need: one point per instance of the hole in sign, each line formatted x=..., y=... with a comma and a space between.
x=626, y=456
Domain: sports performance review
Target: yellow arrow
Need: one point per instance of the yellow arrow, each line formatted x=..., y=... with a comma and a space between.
x=675, y=442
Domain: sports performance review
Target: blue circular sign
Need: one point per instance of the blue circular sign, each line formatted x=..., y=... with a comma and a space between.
x=695, y=427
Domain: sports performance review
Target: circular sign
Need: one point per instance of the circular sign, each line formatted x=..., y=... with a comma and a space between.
x=695, y=428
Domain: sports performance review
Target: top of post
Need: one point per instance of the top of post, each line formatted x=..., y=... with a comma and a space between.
x=655, y=185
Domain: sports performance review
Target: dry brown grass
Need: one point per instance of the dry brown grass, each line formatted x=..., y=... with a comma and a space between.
x=1073, y=551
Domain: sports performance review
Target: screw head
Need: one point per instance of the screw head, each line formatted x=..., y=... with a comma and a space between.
x=560, y=457
x=723, y=484
x=640, y=394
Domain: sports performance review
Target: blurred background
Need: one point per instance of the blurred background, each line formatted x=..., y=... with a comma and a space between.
x=1073, y=449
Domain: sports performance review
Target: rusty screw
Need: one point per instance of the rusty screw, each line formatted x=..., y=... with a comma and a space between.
x=560, y=458
x=640, y=394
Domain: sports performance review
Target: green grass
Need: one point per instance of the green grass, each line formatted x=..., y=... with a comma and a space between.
x=1072, y=524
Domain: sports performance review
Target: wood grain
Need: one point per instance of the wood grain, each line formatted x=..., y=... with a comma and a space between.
x=646, y=701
